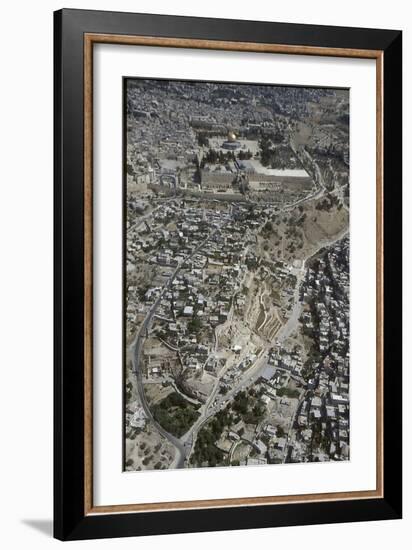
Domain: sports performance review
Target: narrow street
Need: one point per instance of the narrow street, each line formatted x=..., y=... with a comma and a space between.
x=184, y=446
x=136, y=349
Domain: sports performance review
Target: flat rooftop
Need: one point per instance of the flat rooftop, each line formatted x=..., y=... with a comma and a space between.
x=286, y=173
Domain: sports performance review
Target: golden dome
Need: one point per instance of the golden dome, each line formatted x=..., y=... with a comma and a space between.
x=231, y=136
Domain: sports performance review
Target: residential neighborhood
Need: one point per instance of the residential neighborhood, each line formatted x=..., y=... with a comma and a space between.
x=237, y=275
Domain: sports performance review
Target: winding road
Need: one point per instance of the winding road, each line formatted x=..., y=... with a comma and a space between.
x=182, y=448
x=185, y=444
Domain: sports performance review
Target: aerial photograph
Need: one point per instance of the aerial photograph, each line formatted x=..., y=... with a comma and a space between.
x=236, y=274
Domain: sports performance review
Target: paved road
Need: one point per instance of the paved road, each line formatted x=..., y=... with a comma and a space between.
x=182, y=448
x=254, y=372
x=141, y=219
x=185, y=444
x=137, y=348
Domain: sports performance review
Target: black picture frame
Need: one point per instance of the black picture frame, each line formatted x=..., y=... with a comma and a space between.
x=70, y=520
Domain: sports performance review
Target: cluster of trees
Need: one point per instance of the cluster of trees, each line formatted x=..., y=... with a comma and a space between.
x=329, y=151
x=240, y=403
x=194, y=325
x=292, y=232
x=275, y=157
x=328, y=202
x=217, y=157
x=248, y=407
x=268, y=229
x=202, y=139
x=220, y=421
x=142, y=289
x=288, y=392
x=205, y=450
x=320, y=439
x=280, y=432
x=175, y=414
x=244, y=155
x=267, y=153
x=311, y=366
x=251, y=263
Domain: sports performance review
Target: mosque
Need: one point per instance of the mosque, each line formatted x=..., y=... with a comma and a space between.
x=231, y=144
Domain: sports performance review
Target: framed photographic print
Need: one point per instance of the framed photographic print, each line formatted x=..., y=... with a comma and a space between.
x=227, y=274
